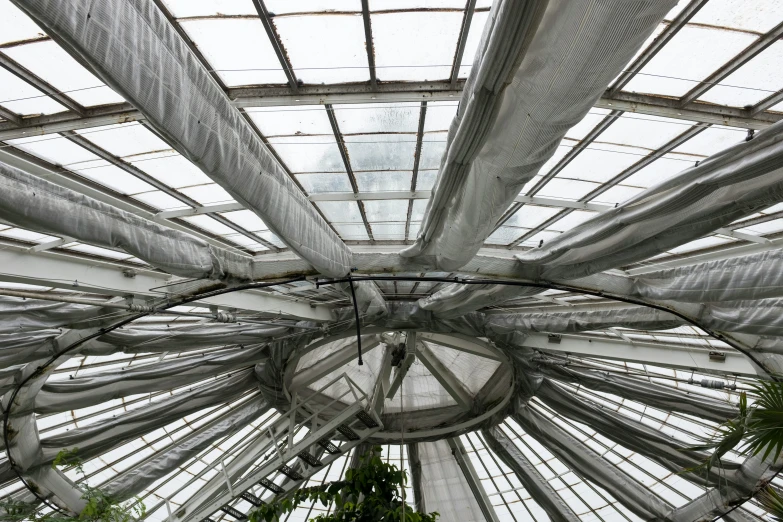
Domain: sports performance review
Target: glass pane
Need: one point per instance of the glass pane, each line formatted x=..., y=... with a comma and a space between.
x=352, y=232
x=340, y=211
x=309, y=153
x=383, y=181
x=51, y=63
x=646, y=131
x=759, y=16
x=659, y=170
x=221, y=41
x=586, y=124
x=125, y=139
x=289, y=121
x=377, y=117
x=426, y=179
x=59, y=151
x=710, y=141
x=186, y=8
x=210, y=224
x=246, y=219
x=116, y=179
x=333, y=51
x=160, y=200
x=388, y=231
x=175, y=171
x=751, y=83
x=601, y=162
x=387, y=5
x=208, y=194
x=617, y=194
x=381, y=151
x=20, y=97
x=325, y=182
x=279, y=7
x=531, y=216
x=16, y=26
x=415, y=46
x=387, y=210
x=432, y=148
x=692, y=55
x=440, y=115
x=472, y=43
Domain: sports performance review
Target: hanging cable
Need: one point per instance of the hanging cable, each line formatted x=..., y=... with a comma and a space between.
x=358, y=326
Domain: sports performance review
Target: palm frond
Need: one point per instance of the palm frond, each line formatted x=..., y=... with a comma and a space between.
x=772, y=501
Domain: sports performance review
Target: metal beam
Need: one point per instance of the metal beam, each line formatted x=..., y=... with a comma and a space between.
x=73, y=273
x=402, y=370
x=665, y=355
x=52, y=244
x=248, y=97
x=277, y=44
x=445, y=377
x=697, y=111
x=369, y=43
x=463, y=460
x=25, y=74
x=735, y=63
x=465, y=344
x=330, y=363
x=666, y=35
x=767, y=103
x=416, y=159
x=338, y=136
x=11, y=116
x=464, y=31
x=382, y=383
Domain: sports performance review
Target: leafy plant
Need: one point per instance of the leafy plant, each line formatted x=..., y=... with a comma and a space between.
x=772, y=501
x=369, y=493
x=99, y=507
x=759, y=429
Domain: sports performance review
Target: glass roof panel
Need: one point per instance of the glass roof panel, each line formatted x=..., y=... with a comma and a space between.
x=160, y=200
x=762, y=16
x=617, y=194
x=692, y=55
x=650, y=132
x=325, y=182
x=751, y=83
x=472, y=43
x=660, y=170
x=377, y=117
x=208, y=194
x=341, y=211
x=426, y=179
x=601, y=162
x=386, y=210
x=125, y=139
x=351, y=231
x=530, y=216
x=52, y=64
x=58, y=151
x=289, y=121
x=187, y=8
x=415, y=46
x=309, y=153
x=334, y=52
x=16, y=26
x=381, y=151
x=219, y=40
x=711, y=141
x=383, y=181
x=440, y=115
x=388, y=231
x=432, y=148
x=115, y=178
x=174, y=170
x=309, y=6
x=20, y=97
x=389, y=5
